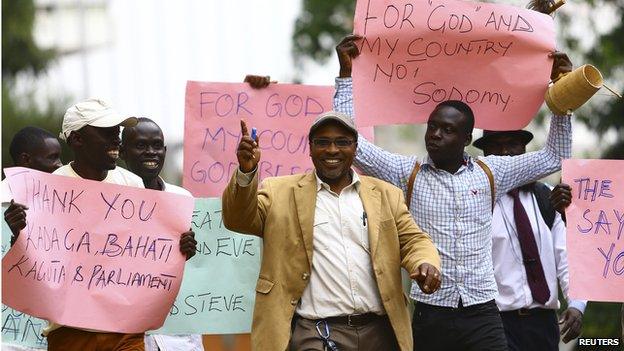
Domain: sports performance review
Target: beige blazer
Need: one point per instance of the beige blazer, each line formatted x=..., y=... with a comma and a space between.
x=282, y=212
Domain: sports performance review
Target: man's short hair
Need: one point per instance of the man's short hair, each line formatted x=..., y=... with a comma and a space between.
x=463, y=108
x=28, y=140
x=126, y=130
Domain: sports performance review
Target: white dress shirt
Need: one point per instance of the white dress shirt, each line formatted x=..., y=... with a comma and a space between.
x=342, y=281
x=513, y=290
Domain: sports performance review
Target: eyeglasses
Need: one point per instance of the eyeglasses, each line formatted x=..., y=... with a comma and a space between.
x=329, y=344
x=341, y=143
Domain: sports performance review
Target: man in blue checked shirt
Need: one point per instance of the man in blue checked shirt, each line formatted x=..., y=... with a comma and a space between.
x=452, y=201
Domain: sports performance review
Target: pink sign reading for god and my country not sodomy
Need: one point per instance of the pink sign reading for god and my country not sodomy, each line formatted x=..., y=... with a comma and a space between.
x=595, y=229
x=95, y=255
x=281, y=113
x=418, y=53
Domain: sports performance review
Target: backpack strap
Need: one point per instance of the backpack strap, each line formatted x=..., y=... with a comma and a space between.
x=490, y=176
x=410, y=184
x=542, y=195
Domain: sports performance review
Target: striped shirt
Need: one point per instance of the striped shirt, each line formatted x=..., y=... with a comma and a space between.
x=455, y=209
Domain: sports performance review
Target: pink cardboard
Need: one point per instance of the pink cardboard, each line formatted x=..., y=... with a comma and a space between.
x=95, y=255
x=418, y=53
x=281, y=113
x=595, y=229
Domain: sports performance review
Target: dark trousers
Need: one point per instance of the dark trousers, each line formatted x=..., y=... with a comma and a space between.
x=374, y=336
x=533, y=329
x=476, y=327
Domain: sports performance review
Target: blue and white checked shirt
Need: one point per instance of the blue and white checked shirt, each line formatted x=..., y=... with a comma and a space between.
x=455, y=209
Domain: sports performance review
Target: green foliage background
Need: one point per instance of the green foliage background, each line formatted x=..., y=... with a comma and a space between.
x=21, y=58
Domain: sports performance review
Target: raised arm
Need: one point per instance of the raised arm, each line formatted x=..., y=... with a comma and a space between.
x=513, y=171
x=370, y=159
x=244, y=207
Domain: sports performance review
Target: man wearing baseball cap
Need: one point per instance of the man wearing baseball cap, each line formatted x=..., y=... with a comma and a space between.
x=334, y=243
x=529, y=257
x=91, y=129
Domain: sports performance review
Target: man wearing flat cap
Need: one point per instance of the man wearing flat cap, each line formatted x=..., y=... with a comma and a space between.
x=91, y=129
x=334, y=243
x=529, y=256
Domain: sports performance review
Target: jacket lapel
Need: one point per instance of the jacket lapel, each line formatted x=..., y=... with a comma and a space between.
x=305, y=201
x=371, y=200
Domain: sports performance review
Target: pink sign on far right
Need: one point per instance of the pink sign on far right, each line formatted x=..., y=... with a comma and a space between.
x=417, y=53
x=595, y=229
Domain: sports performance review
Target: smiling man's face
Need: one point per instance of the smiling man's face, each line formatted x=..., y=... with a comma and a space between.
x=333, y=161
x=97, y=148
x=143, y=148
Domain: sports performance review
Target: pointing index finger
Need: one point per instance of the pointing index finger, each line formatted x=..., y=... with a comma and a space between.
x=244, y=131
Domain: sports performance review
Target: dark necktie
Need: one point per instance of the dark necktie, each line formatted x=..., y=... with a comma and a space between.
x=530, y=254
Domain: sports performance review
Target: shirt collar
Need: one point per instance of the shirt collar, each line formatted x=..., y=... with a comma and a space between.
x=355, y=182
x=162, y=184
x=427, y=162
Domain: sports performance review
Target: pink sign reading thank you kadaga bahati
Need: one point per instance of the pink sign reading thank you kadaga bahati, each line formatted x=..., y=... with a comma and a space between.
x=595, y=229
x=418, y=53
x=95, y=255
x=281, y=113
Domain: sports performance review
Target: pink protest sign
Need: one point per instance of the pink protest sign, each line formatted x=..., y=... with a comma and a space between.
x=95, y=255
x=281, y=113
x=595, y=229
x=418, y=53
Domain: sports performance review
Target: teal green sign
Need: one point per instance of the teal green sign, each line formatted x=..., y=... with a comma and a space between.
x=218, y=290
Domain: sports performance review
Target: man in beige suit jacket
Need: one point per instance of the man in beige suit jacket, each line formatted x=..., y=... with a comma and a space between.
x=334, y=243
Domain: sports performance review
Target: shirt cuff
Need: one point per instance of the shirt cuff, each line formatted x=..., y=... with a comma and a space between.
x=244, y=179
x=561, y=118
x=578, y=304
x=343, y=81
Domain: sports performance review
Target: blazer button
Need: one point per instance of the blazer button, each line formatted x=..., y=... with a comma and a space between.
x=293, y=302
x=305, y=276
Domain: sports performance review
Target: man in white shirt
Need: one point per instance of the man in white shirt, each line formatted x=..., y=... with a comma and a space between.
x=529, y=256
x=143, y=149
x=91, y=129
